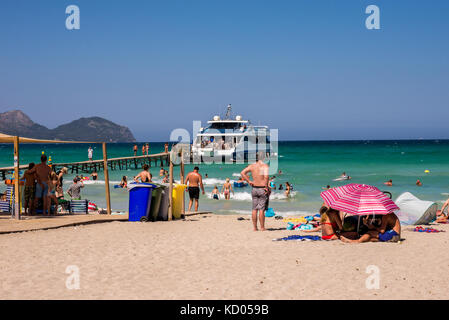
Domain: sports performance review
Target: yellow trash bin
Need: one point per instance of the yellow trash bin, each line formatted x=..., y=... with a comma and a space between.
x=178, y=197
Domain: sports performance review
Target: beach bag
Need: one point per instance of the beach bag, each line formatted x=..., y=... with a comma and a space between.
x=269, y=213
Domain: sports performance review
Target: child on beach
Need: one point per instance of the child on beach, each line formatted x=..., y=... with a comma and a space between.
x=30, y=189
x=215, y=193
x=53, y=183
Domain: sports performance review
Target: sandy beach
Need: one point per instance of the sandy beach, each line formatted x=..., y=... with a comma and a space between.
x=216, y=257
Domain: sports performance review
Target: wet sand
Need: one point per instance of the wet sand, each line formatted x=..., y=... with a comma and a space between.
x=216, y=257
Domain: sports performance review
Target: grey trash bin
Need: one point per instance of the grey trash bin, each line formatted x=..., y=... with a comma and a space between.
x=165, y=201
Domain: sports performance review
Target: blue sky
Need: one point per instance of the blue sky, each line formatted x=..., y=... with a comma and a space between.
x=308, y=68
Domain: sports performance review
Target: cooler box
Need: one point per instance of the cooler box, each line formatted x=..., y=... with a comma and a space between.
x=140, y=201
x=156, y=201
x=165, y=201
x=178, y=197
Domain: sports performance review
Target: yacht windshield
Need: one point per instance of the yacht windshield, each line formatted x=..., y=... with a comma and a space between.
x=225, y=125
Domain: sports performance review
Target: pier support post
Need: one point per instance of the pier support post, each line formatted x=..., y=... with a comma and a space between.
x=17, y=179
x=106, y=178
x=170, y=191
x=181, y=170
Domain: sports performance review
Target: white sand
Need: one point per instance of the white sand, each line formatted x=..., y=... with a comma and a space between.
x=216, y=257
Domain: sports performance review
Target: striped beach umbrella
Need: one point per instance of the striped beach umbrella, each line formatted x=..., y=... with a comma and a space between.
x=359, y=199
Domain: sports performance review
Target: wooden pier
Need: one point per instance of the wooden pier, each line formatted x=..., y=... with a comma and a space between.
x=123, y=163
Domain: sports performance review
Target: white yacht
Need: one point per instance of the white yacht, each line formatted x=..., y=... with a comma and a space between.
x=231, y=138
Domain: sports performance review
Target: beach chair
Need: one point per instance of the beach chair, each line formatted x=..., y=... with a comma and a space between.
x=79, y=206
x=8, y=204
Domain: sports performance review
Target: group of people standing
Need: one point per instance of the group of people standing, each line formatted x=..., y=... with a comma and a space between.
x=146, y=149
x=44, y=186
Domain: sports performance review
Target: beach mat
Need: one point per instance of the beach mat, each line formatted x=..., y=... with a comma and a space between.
x=299, y=238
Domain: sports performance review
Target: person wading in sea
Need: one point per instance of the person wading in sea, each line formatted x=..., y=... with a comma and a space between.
x=195, y=181
x=261, y=192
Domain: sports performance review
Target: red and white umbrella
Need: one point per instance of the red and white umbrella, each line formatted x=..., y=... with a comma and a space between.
x=359, y=199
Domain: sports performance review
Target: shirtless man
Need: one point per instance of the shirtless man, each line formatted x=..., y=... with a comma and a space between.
x=261, y=192
x=195, y=181
x=144, y=176
x=42, y=171
x=135, y=150
x=389, y=231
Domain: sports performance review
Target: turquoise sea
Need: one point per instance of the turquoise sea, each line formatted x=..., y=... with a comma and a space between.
x=307, y=165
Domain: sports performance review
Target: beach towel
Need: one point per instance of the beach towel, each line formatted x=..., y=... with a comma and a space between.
x=427, y=230
x=299, y=238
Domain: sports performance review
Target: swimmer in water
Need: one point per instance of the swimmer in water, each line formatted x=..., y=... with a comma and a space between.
x=418, y=183
x=389, y=183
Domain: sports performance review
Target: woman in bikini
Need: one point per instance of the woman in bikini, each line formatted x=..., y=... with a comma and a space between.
x=226, y=190
x=330, y=223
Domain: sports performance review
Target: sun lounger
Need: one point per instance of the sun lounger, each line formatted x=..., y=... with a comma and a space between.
x=79, y=206
x=8, y=204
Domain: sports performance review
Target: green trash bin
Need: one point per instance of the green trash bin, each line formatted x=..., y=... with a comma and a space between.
x=156, y=202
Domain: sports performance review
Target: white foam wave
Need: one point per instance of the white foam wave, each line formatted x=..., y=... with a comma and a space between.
x=99, y=182
x=214, y=181
x=236, y=174
x=246, y=196
x=279, y=213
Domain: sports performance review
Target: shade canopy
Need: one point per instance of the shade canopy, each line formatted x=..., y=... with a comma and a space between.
x=5, y=138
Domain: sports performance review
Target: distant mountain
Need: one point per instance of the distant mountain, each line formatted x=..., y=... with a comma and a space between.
x=85, y=129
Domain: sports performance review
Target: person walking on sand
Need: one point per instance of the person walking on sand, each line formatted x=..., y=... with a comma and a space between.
x=194, y=181
x=90, y=153
x=135, y=150
x=261, y=192
x=30, y=189
x=227, y=189
x=42, y=171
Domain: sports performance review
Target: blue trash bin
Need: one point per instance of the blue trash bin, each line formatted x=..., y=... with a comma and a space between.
x=140, y=201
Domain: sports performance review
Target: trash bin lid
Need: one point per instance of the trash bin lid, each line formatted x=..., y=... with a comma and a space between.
x=141, y=185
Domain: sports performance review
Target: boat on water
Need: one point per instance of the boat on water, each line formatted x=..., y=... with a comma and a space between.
x=231, y=138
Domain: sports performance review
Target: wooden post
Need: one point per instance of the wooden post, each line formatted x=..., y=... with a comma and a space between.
x=17, y=179
x=182, y=182
x=106, y=178
x=170, y=192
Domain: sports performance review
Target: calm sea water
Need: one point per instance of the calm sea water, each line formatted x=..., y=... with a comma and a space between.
x=309, y=166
